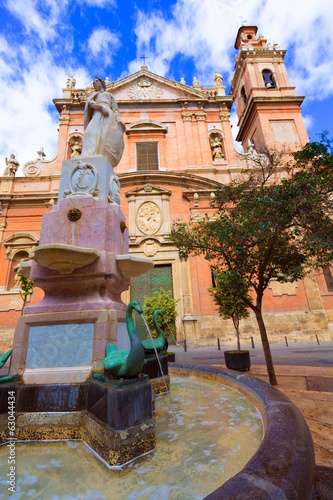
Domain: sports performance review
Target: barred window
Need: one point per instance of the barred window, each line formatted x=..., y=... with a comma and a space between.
x=147, y=156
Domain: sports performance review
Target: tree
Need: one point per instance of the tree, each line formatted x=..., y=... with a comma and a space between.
x=26, y=288
x=167, y=305
x=267, y=227
x=226, y=297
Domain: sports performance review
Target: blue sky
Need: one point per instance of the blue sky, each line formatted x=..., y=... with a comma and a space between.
x=43, y=41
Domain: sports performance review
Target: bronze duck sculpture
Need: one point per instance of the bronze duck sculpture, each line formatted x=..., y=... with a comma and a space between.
x=126, y=363
x=159, y=342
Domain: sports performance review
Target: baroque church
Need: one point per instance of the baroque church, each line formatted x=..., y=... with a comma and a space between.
x=178, y=149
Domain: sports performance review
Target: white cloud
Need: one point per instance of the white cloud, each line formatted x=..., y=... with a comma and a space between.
x=38, y=16
x=205, y=30
x=308, y=121
x=100, y=3
x=103, y=43
x=26, y=96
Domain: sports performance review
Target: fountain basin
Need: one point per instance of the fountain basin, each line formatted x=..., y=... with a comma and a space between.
x=130, y=266
x=283, y=466
x=64, y=258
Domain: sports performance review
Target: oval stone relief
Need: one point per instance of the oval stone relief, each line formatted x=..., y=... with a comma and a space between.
x=149, y=218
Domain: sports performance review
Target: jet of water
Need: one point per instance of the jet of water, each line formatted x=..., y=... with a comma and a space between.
x=170, y=402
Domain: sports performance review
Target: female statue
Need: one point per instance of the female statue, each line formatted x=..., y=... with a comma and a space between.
x=104, y=129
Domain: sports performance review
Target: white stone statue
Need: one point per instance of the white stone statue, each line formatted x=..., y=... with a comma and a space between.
x=12, y=166
x=71, y=82
x=218, y=80
x=104, y=130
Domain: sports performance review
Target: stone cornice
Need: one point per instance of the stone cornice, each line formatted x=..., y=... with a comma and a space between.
x=188, y=181
x=76, y=98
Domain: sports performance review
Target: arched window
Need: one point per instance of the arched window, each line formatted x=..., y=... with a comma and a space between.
x=269, y=80
x=243, y=94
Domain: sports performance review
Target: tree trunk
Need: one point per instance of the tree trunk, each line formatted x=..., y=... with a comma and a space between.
x=267, y=350
x=237, y=335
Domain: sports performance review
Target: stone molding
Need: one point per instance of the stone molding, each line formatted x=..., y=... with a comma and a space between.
x=20, y=242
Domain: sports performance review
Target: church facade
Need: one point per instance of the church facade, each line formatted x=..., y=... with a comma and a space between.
x=178, y=149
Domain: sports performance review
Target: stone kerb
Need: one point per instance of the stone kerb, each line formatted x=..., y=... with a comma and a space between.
x=283, y=466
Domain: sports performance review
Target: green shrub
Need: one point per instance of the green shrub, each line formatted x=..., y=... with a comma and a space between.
x=167, y=305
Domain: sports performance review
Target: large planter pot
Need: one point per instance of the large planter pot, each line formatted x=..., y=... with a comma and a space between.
x=239, y=361
x=171, y=357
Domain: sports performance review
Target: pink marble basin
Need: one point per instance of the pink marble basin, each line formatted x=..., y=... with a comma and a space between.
x=64, y=258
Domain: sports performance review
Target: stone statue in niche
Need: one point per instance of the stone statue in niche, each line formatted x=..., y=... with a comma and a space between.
x=104, y=130
x=12, y=166
x=75, y=143
x=216, y=147
x=17, y=277
x=114, y=190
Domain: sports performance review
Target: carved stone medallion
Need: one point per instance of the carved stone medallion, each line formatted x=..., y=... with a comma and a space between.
x=150, y=248
x=83, y=181
x=144, y=90
x=149, y=218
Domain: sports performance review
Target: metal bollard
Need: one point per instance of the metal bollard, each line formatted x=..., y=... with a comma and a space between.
x=317, y=339
x=252, y=342
x=286, y=341
x=218, y=345
x=185, y=346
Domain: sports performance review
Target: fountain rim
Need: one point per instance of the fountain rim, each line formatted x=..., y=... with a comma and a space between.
x=283, y=466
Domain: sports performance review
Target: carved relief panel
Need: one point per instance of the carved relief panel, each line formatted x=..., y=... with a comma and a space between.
x=148, y=215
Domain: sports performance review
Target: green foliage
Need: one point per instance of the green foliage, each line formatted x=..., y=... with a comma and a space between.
x=227, y=295
x=269, y=226
x=26, y=287
x=167, y=305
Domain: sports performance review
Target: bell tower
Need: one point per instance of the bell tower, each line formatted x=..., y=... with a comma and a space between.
x=268, y=110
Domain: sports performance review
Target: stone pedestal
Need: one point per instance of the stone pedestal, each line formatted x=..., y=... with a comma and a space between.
x=115, y=421
x=82, y=265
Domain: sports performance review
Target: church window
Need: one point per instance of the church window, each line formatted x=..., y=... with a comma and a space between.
x=328, y=278
x=213, y=278
x=147, y=156
x=243, y=94
x=269, y=80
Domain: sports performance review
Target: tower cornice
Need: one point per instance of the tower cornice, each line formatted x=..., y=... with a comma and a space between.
x=265, y=102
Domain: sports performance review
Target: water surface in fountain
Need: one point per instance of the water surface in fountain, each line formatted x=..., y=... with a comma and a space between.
x=219, y=430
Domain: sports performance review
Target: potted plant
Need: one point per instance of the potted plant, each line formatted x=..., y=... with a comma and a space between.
x=167, y=305
x=226, y=295
x=171, y=356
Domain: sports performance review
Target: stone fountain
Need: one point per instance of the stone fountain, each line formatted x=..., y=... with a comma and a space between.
x=83, y=265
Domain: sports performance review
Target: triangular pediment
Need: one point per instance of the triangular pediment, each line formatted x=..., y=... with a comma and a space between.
x=148, y=189
x=146, y=86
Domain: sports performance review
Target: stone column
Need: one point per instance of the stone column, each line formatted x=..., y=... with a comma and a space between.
x=188, y=318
